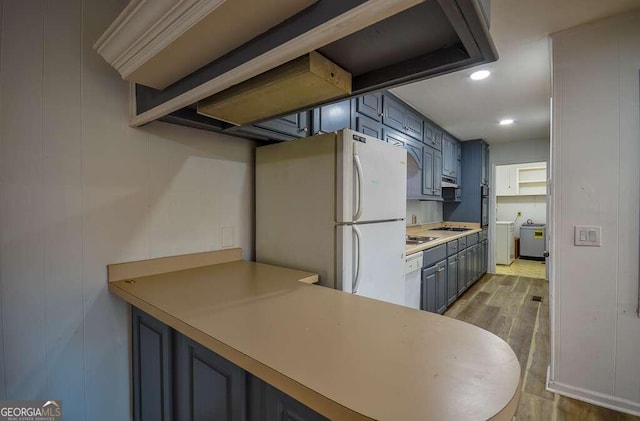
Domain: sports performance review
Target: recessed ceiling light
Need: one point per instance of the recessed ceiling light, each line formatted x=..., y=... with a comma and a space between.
x=480, y=74
x=506, y=122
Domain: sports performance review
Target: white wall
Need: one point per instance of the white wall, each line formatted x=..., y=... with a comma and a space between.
x=426, y=212
x=532, y=207
x=79, y=189
x=596, y=151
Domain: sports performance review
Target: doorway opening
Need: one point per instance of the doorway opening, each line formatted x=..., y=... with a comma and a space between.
x=520, y=209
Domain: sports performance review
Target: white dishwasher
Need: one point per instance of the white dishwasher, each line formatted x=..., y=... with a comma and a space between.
x=413, y=278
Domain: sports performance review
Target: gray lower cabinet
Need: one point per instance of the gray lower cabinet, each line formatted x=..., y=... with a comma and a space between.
x=452, y=278
x=471, y=265
x=208, y=387
x=270, y=404
x=176, y=378
x=485, y=256
x=152, y=350
x=462, y=271
x=434, y=288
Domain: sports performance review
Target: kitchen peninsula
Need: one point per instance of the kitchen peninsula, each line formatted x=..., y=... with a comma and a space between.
x=254, y=339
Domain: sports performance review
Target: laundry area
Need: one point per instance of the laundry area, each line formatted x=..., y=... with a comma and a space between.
x=521, y=213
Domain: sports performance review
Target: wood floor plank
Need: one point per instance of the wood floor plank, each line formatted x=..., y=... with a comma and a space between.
x=500, y=297
x=533, y=408
x=485, y=316
x=536, y=379
x=474, y=307
x=522, y=285
x=501, y=326
x=508, y=281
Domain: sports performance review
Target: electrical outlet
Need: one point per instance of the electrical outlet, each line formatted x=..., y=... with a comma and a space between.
x=519, y=213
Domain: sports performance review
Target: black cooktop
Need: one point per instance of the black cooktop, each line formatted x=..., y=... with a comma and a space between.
x=457, y=229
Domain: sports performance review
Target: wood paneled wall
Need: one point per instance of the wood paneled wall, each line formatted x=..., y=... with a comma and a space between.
x=596, y=103
x=79, y=189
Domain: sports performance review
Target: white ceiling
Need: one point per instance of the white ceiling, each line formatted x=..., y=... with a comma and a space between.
x=520, y=83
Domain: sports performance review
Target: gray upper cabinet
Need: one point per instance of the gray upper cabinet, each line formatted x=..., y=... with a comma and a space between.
x=414, y=160
x=332, y=117
x=370, y=105
x=294, y=125
x=399, y=116
x=368, y=126
x=449, y=157
x=432, y=135
x=208, y=387
x=484, y=164
x=432, y=173
x=413, y=124
x=394, y=113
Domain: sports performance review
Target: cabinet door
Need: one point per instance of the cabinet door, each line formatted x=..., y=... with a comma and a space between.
x=471, y=263
x=394, y=113
x=151, y=363
x=332, y=117
x=428, y=170
x=484, y=180
x=296, y=125
x=452, y=279
x=277, y=406
x=208, y=387
x=437, y=174
x=414, y=169
x=370, y=105
x=428, y=290
x=449, y=159
x=441, y=286
x=462, y=271
x=367, y=126
x=455, y=160
x=428, y=133
x=437, y=138
x=413, y=125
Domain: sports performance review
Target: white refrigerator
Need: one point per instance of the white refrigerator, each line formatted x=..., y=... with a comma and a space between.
x=335, y=204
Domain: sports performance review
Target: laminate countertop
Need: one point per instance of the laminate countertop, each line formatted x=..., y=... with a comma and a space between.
x=345, y=356
x=443, y=236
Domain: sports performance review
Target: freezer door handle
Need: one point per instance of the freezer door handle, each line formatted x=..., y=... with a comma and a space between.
x=356, y=278
x=358, y=166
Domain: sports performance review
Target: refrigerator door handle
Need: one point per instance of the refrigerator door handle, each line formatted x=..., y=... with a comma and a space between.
x=358, y=166
x=356, y=279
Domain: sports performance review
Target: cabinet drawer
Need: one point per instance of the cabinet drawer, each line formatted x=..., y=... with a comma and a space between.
x=472, y=239
x=452, y=247
x=434, y=255
x=462, y=243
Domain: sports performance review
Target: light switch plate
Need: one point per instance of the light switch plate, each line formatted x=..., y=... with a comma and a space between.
x=587, y=235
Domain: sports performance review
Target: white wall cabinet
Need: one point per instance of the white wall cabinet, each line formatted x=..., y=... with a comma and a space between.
x=521, y=179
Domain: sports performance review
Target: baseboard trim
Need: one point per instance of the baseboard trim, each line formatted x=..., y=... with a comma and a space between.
x=596, y=398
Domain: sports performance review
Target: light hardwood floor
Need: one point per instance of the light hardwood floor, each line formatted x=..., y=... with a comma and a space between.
x=523, y=267
x=503, y=305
